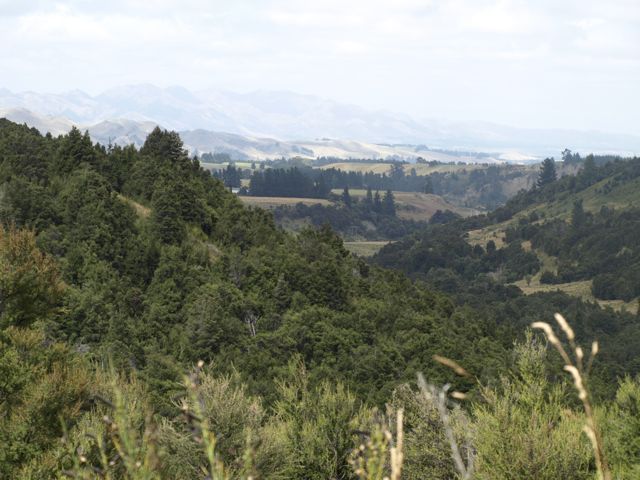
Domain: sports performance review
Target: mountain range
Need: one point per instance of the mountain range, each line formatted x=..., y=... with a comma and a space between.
x=266, y=124
x=238, y=147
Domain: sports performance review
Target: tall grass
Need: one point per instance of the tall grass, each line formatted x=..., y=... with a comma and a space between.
x=575, y=365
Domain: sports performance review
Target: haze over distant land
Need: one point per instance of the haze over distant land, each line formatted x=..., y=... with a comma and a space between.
x=265, y=124
x=573, y=64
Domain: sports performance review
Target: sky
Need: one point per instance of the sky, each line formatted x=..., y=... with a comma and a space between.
x=571, y=64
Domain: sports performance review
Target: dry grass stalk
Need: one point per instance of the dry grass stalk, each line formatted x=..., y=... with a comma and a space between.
x=370, y=460
x=579, y=375
x=397, y=455
x=452, y=364
x=439, y=397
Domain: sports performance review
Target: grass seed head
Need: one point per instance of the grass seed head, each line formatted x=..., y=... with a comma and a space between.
x=548, y=331
x=564, y=325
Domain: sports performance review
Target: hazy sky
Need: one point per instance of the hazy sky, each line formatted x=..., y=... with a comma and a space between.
x=556, y=63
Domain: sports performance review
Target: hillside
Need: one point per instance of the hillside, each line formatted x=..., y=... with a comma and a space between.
x=417, y=206
x=154, y=327
x=125, y=131
x=581, y=230
x=141, y=260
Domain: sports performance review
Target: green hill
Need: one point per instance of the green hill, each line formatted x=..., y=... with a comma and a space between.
x=142, y=261
x=153, y=326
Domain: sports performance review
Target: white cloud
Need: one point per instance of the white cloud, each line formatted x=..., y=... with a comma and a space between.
x=509, y=61
x=501, y=17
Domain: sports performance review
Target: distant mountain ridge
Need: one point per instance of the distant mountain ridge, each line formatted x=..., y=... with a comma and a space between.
x=292, y=117
x=283, y=115
x=238, y=147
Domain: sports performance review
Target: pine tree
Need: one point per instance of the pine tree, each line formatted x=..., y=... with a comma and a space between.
x=377, y=203
x=388, y=204
x=567, y=157
x=165, y=216
x=75, y=149
x=428, y=186
x=162, y=144
x=369, y=198
x=346, y=197
x=547, y=172
x=578, y=216
x=588, y=174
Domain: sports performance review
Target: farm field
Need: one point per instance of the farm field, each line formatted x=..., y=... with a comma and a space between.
x=581, y=289
x=272, y=202
x=411, y=205
x=421, y=168
x=417, y=206
x=223, y=165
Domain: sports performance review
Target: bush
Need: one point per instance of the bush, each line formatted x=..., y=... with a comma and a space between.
x=523, y=429
x=548, y=277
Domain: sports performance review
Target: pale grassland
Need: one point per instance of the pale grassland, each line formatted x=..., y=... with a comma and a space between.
x=580, y=289
x=422, y=206
x=416, y=206
x=272, y=202
x=222, y=166
x=366, y=248
x=140, y=210
x=482, y=236
x=358, y=167
x=421, y=168
x=624, y=196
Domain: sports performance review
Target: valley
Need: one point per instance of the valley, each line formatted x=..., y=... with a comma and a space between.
x=284, y=240
x=303, y=290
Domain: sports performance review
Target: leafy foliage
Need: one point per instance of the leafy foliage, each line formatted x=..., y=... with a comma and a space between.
x=121, y=269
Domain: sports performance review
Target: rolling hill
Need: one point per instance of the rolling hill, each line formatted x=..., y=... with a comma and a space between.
x=289, y=116
x=125, y=131
x=577, y=235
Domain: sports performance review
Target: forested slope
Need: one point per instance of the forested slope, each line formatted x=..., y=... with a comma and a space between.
x=193, y=275
x=567, y=230
x=153, y=327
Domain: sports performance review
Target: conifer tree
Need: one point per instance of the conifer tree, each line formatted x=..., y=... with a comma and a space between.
x=165, y=216
x=388, y=204
x=547, y=172
x=346, y=197
x=76, y=148
x=578, y=216
x=377, y=203
x=369, y=198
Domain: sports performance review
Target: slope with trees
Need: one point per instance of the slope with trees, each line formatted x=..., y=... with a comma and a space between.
x=151, y=326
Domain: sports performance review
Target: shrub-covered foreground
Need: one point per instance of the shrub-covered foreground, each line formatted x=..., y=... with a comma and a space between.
x=69, y=419
x=66, y=415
